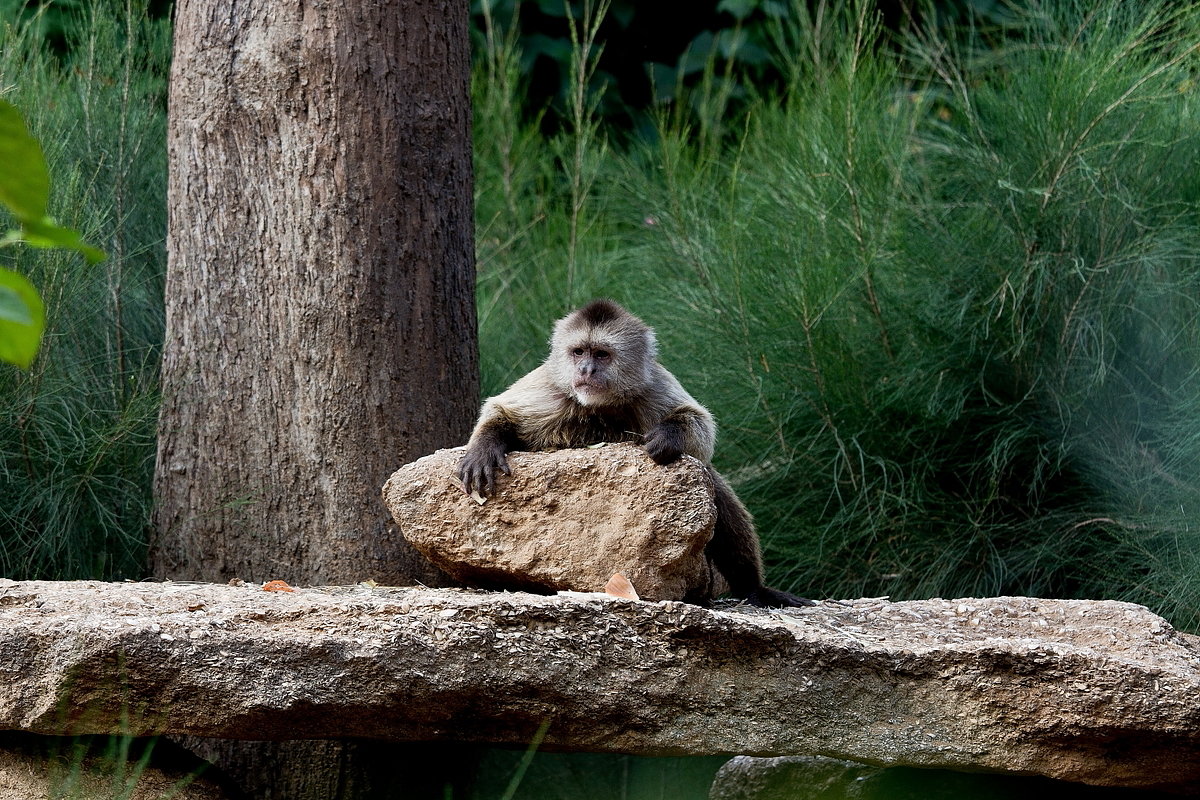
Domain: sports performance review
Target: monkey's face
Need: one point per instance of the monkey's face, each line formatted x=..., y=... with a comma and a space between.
x=592, y=372
x=601, y=355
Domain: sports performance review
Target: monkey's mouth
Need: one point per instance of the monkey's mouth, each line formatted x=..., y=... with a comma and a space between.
x=588, y=391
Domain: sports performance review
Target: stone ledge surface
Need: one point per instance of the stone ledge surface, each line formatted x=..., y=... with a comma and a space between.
x=1092, y=691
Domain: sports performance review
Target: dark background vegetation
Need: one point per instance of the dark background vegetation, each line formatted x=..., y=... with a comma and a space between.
x=936, y=271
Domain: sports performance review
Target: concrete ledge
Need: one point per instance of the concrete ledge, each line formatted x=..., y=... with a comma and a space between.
x=1098, y=692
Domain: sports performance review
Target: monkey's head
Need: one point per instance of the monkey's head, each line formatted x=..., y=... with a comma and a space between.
x=602, y=355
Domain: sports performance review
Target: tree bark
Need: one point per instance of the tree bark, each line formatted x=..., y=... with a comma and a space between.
x=319, y=296
x=320, y=313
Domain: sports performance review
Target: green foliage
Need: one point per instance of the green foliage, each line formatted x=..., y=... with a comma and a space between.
x=77, y=429
x=1072, y=293
x=25, y=192
x=942, y=297
x=658, y=54
x=962, y=361
x=652, y=51
x=22, y=319
x=52, y=22
x=544, y=241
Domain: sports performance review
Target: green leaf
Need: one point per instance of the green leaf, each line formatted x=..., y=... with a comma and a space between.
x=13, y=307
x=737, y=43
x=622, y=13
x=698, y=53
x=740, y=9
x=557, y=49
x=664, y=80
x=22, y=319
x=24, y=181
x=46, y=233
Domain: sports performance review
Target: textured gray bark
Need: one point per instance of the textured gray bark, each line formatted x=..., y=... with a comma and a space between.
x=320, y=312
x=320, y=315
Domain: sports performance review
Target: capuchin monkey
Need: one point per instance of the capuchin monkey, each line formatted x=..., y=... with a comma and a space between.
x=602, y=383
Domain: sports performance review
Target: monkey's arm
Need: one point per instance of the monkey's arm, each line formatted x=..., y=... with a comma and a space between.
x=682, y=430
x=682, y=425
x=495, y=435
x=498, y=432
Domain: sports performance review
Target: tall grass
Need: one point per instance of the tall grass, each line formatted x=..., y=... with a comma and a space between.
x=77, y=429
x=546, y=239
x=1065, y=187
x=942, y=298
x=116, y=768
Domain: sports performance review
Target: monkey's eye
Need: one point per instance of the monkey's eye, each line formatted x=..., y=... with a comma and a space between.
x=601, y=354
x=577, y=351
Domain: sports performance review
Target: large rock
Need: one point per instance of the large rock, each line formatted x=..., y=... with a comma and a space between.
x=1098, y=692
x=566, y=520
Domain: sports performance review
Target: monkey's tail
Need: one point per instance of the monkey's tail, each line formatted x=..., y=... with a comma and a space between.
x=736, y=553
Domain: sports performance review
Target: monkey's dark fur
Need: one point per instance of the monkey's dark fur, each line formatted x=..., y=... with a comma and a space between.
x=602, y=383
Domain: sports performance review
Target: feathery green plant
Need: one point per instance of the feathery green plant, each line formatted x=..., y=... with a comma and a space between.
x=1063, y=182
x=956, y=303
x=77, y=429
x=544, y=238
x=942, y=298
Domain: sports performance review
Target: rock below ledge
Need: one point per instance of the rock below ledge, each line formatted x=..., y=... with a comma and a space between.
x=1098, y=692
x=565, y=520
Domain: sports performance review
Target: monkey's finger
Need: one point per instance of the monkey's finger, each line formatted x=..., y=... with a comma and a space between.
x=473, y=478
x=489, y=478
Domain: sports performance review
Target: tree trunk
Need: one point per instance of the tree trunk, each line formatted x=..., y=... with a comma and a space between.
x=319, y=296
x=320, y=313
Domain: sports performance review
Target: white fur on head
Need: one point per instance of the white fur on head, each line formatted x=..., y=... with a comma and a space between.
x=604, y=324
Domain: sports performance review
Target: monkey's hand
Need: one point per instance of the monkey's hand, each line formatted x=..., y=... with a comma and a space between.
x=664, y=443
x=764, y=597
x=479, y=464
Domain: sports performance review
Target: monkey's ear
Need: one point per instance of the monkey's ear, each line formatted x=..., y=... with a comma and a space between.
x=651, y=345
x=556, y=332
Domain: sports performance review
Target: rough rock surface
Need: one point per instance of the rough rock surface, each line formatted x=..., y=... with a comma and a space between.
x=1098, y=692
x=565, y=520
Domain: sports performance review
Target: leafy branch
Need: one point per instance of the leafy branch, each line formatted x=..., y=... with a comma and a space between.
x=25, y=192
